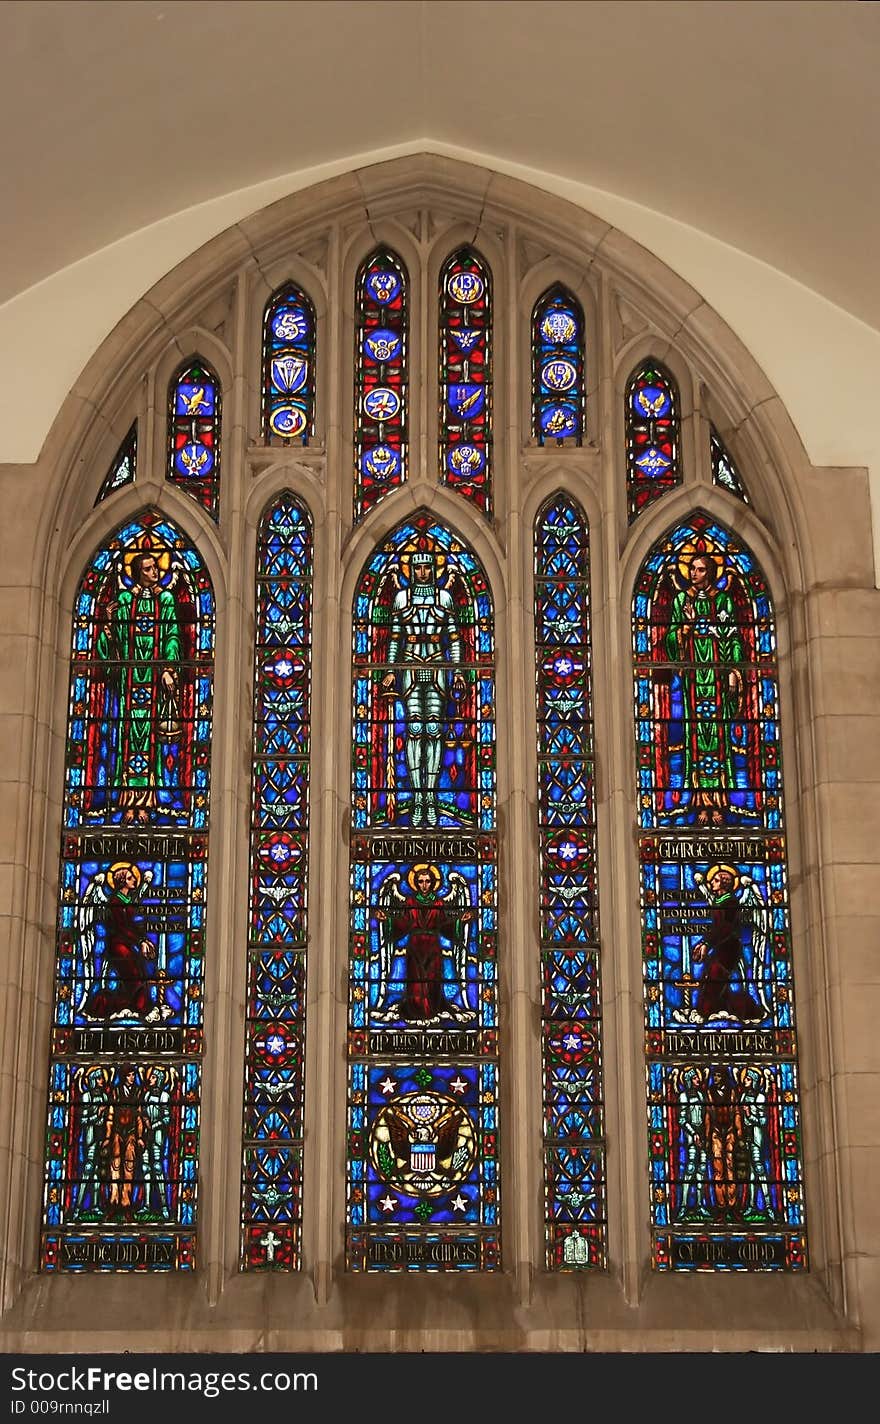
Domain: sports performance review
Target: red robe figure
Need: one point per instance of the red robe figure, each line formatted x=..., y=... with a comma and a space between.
x=721, y=952
x=424, y=922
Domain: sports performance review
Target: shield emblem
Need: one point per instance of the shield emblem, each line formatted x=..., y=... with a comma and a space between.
x=466, y=337
x=381, y=462
x=289, y=373
x=467, y=400
x=465, y=460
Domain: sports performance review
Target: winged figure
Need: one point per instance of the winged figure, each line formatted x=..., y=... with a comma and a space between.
x=431, y=924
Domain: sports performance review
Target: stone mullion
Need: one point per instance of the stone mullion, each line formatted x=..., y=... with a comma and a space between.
x=625, y=1100
x=327, y=953
x=227, y=879
x=521, y=1183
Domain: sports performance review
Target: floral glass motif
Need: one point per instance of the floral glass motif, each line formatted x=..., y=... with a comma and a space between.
x=465, y=422
x=289, y=366
x=194, y=401
x=381, y=381
x=277, y=933
x=652, y=437
x=423, y=1049
x=574, y=1185
x=124, y=1079
x=724, y=471
x=724, y=1121
x=124, y=467
x=558, y=393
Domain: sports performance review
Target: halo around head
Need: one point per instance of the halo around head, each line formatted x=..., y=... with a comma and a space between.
x=420, y=869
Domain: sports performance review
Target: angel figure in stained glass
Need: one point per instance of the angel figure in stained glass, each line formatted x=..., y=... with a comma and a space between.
x=139, y=753
x=430, y=924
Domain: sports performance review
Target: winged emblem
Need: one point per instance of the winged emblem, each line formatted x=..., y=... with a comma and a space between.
x=194, y=458
x=390, y=900
x=194, y=401
x=424, y=1138
x=651, y=405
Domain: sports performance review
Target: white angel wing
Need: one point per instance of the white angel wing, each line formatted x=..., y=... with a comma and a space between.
x=94, y=898
x=390, y=899
x=756, y=913
x=458, y=899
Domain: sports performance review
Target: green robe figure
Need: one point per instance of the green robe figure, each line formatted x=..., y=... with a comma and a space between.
x=704, y=637
x=141, y=644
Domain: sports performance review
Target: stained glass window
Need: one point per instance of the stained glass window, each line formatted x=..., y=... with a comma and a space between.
x=277, y=923
x=381, y=386
x=124, y=466
x=574, y=1186
x=724, y=471
x=558, y=390
x=123, y=1135
x=725, y=1146
x=289, y=366
x=466, y=376
x=652, y=436
x=194, y=401
x=423, y=1049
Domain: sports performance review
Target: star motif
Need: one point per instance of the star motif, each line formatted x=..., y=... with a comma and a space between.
x=387, y=1085
x=388, y=1202
x=275, y=1044
x=459, y=1203
x=458, y=1084
x=571, y=1042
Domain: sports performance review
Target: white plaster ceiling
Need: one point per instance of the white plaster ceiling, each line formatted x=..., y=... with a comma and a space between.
x=755, y=122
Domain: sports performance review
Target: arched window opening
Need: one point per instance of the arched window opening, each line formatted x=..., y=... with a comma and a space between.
x=558, y=383
x=194, y=401
x=466, y=377
x=278, y=909
x=289, y=366
x=381, y=387
x=652, y=436
x=574, y=1188
x=122, y=1146
x=726, y=1160
x=423, y=1045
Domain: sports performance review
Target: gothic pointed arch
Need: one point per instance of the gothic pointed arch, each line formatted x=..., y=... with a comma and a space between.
x=558, y=368
x=195, y=400
x=289, y=330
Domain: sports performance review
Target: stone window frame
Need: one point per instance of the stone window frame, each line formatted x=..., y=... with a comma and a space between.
x=634, y=307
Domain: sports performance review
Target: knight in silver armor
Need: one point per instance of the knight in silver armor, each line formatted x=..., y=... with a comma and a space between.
x=426, y=644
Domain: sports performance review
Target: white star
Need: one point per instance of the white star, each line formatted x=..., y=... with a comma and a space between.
x=388, y=1202
x=387, y=1085
x=571, y=1042
x=458, y=1085
x=459, y=1203
x=275, y=1044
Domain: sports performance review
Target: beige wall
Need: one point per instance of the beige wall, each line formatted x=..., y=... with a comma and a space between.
x=809, y=527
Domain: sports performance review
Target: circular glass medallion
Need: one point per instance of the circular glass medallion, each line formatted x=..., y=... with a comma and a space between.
x=559, y=327
x=465, y=287
x=382, y=345
x=465, y=461
x=557, y=421
x=380, y=463
x=194, y=460
x=290, y=324
x=382, y=285
x=288, y=420
x=381, y=403
x=559, y=375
